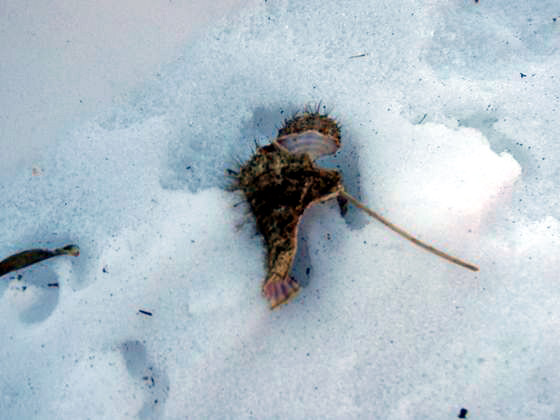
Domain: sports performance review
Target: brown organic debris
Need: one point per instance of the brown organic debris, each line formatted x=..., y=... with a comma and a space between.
x=33, y=256
x=281, y=180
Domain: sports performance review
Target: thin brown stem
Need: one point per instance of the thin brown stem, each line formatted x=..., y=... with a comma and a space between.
x=407, y=235
x=33, y=256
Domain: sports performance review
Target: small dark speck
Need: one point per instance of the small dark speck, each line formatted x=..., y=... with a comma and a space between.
x=193, y=241
x=307, y=270
x=52, y=284
x=554, y=19
x=523, y=75
x=188, y=167
x=155, y=401
x=476, y=1
x=105, y=270
x=19, y=276
x=145, y=312
x=463, y=413
x=23, y=288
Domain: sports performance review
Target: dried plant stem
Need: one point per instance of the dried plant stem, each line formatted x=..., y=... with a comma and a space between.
x=406, y=235
x=33, y=256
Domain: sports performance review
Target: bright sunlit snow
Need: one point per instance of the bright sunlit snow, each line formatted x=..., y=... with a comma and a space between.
x=450, y=117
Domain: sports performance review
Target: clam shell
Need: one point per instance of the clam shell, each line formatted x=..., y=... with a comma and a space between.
x=310, y=132
x=312, y=142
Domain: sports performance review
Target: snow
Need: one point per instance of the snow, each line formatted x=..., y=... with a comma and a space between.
x=449, y=119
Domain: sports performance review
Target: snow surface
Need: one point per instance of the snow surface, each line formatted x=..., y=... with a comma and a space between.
x=449, y=111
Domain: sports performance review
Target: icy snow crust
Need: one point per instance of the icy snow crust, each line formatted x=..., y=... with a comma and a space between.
x=449, y=111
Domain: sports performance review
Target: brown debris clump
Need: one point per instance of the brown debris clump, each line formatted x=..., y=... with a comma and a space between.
x=281, y=180
x=279, y=185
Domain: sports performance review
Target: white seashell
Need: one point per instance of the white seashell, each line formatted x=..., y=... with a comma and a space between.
x=312, y=142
